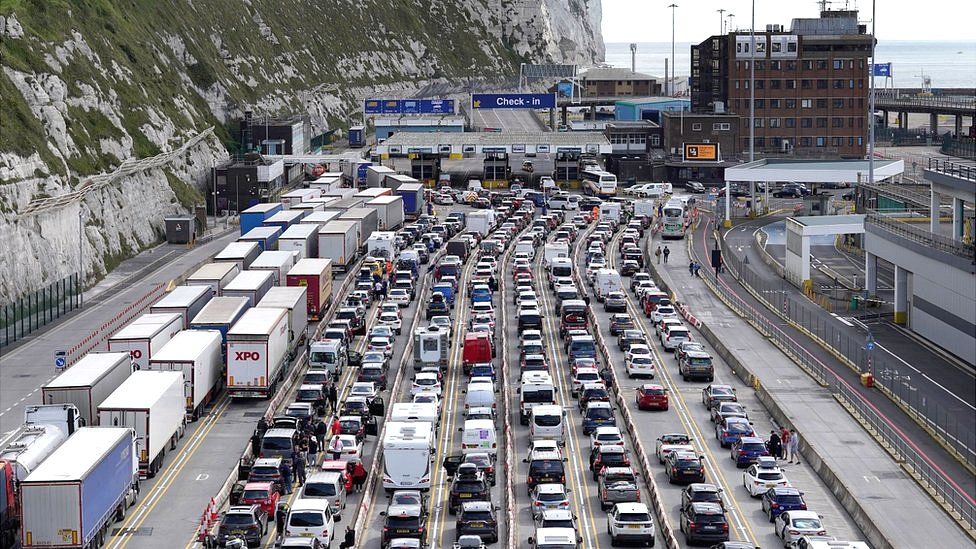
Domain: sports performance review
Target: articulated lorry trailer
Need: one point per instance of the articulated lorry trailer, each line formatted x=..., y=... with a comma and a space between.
x=185, y=301
x=293, y=298
x=257, y=352
x=145, y=335
x=83, y=488
x=151, y=403
x=197, y=355
x=89, y=382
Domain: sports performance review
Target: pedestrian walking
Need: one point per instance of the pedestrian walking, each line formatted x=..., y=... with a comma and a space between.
x=666, y=253
x=794, y=447
x=691, y=268
x=784, y=437
x=657, y=253
x=332, y=394
x=335, y=447
x=697, y=269
x=349, y=541
x=285, y=471
x=300, y=469
x=321, y=429
x=313, y=451
x=359, y=475
x=774, y=444
x=280, y=514
x=336, y=426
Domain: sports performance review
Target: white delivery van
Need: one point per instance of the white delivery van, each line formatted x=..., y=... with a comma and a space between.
x=311, y=518
x=548, y=423
x=480, y=395
x=478, y=435
x=606, y=281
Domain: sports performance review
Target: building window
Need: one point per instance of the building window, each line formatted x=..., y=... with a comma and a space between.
x=760, y=65
x=775, y=65
x=721, y=126
x=822, y=65
x=821, y=141
x=791, y=103
x=745, y=84
x=774, y=84
x=850, y=141
x=745, y=65
x=761, y=44
x=860, y=83
x=760, y=84
x=860, y=141
x=774, y=122
x=791, y=65
x=806, y=122
x=851, y=64
x=822, y=84
x=791, y=47
x=808, y=65
x=850, y=103
x=860, y=63
x=805, y=142
x=791, y=84
x=852, y=84
x=736, y=65
x=760, y=103
x=776, y=142
x=655, y=140
x=838, y=103
x=790, y=122
x=821, y=121
x=806, y=103
x=838, y=64
x=775, y=103
x=837, y=141
x=759, y=122
x=821, y=103
x=850, y=121
x=839, y=84
x=837, y=122
x=736, y=84
x=776, y=47
x=760, y=142
x=806, y=84
x=860, y=103
x=696, y=127
x=860, y=122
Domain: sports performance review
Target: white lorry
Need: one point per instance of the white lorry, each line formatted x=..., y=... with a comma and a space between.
x=152, y=404
x=241, y=254
x=197, y=355
x=339, y=241
x=481, y=221
x=300, y=238
x=553, y=250
x=389, y=210
x=214, y=276
x=606, y=281
x=277, y=261
x=257, y=349
x=295, y=299
x=186, y=301
x=250, y=284
x=145, y=335
x=408, y=453
x=88, y=382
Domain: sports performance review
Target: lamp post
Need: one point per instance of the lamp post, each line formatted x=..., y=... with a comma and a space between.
x=721, y=20
x=752, y=103
x=81, y=256
x=673, y=67
x=871, y=105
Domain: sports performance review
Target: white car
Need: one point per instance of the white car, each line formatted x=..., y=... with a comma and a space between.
x=584, y=375
x=671, y=442
x=544, y=445
x=388, y=307
x=659, y=327
x=482, y=308
x=365, y=389
x=424, y=397
x=762, y=476
x=640, y=366
x=351, y=448
x=392, y=320
x=380, y=343
x=637, y=349
x=530, y=335
x=444, y=323
x=792, y=525
x=549, y=496
x=399, y=296
x=664, y=311
x=630, y=522
x=606, y=436
x=426, y=381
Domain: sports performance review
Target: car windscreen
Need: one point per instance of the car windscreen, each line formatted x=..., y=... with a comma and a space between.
x=739, y=427
x=769, y=476
x=699, y=361
x=551, y=496
x=252, y=495
x=599, y=413
x=276, y=443
x=540, y=466
x=789, y=499
x=469, y=486
x=537, y=395
x=634, y=517
x=238, y=519
x=477, y=515
x=710, y=519
x=322, y=356
x=309, y=394
x=753, y=447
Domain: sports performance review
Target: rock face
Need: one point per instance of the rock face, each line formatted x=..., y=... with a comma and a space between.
x=87, y=86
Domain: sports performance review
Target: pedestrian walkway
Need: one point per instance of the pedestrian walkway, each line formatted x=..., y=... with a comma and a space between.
x=887, y=503
x=131, y=287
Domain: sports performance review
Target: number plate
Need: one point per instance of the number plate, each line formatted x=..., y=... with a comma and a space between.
x=635, y=526
x=464, y=496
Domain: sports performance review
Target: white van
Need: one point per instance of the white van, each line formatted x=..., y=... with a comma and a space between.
x=478, y=435
x=329, y=486
x=548, y=423
x=311, y=518
x=564, y=201
x=480, y=395
x=407, y=412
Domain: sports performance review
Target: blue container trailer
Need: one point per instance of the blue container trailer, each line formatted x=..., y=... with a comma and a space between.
x=256, y=214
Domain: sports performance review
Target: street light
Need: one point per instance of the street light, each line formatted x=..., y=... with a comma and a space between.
x=673, y=67
x=721, y=20
x=871, y=105
x=81, y=254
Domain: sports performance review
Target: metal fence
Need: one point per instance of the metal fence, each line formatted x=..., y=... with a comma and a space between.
x=894, y=379
x=891, y=222
x=963, y=147
x=964, y=171
x=36, y=309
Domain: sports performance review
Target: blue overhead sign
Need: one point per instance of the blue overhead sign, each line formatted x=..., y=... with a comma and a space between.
x=408, y=106
x=513, y=100
x=881, y=69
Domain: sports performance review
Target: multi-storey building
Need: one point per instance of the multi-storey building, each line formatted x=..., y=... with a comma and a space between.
x=811, y=84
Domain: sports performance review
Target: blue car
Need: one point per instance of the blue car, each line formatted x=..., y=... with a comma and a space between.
x=747, y=450
x=598, y=414
x=480, y=293
x=447, y=290
x=731, y=429
x=779, y=499
x=483, y=369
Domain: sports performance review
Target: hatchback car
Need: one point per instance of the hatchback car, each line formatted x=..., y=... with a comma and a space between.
x=609, y=436
x=791, y=525
x=731, y=429
x=704, y=522
x=780, y=499
x=639, y=366
x=728, y=409
x=749, y=450
x=698, y=492
x=713, y=394
x=404, y=521
x=264, y=494
x=597, y=414
x=762, y=476
x=615, y=302
x=630, y=522
x=651, y=396
x=478, y=518
x=620, y=322
x=247, y=521
x=549, y=496
x=426, y=381
x=683, y=466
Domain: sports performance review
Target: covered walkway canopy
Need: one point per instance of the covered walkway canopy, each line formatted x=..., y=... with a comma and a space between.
x=457, y=145
x=774, y=170
x=798, y=233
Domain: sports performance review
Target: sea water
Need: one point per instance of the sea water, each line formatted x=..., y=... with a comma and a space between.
x=948, y=64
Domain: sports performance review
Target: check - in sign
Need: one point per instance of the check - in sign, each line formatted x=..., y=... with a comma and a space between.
x=513, y=100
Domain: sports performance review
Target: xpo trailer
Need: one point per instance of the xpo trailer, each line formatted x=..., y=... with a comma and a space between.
x=250, y=284
x=293, y=298
x=198, y=356
x=89, y=382
x=240, y=253
x=277, y=262
x=72, y=498
x=257, y=349
x=301, y=238
x=215, y=276
x=145, y=335
x=220, y=314
x=185, y=301
x=339, y=241
x=316, y=276
x=152, y=404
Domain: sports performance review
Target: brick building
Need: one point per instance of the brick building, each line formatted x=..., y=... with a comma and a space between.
x=612, y=82
x=811, y=85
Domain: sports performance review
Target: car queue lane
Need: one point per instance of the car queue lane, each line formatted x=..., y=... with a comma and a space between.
x=198, y=467
x=685, y=400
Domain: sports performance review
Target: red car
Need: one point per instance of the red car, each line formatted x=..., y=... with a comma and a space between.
x=340, y=466
x=263, y=494
x=651, y=396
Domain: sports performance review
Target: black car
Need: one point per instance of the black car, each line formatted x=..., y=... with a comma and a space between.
x=629, y=268
x=469, y=485
x=246, y=521
x=620, y=322
x=791, y=191
x=545, y=467
x=628, y=338
x=694, y=187
x=698, y=492
x=704, y=522
x=684, y=467
x=404, y=521
x=437, y=307
x=478, y=518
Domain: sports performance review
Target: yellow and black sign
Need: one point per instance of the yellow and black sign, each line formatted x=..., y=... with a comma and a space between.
x=701, y=151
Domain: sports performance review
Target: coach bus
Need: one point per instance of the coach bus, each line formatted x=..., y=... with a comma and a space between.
x=673, y=220
x=599, y=183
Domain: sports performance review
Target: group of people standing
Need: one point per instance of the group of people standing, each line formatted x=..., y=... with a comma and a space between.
x=785, y=445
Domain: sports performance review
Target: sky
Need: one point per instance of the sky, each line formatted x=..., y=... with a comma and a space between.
x=695, y=20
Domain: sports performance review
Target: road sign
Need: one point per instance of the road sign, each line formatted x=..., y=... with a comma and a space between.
x=881, y=69
x=60, y=359
x=437, y=106
x=869, y=341
x=701, y=151
x=513, y=100
x=408, y=106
